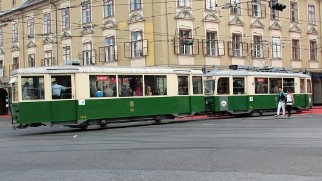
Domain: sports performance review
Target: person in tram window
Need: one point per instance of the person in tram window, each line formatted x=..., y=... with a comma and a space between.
x=99, y=92
x=26, y=94
x=148, y=91
x=56, y=90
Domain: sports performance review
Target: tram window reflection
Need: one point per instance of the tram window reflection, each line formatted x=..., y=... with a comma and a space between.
x=302, y=86
x=239, y=85
x=209, y=87
x=155, y=85
x=197, y=84
x=288, y=83
x=309, y=86
x=32, y=87
x=274, y=84
x=261, y=85
x=223, y=85
x=130, y=85
x=105, y=83
x=61, y=87
x=183, y=85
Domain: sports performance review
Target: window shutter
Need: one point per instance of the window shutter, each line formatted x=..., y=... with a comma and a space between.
x=263, y=10
x=127, y=50
x=204, y=47
x=221, y=48
x=245, y=49
x=266, y=51
x=250, y=8
x=230, y=49
x=115, y=53
x=93, y=56
x=101, y=52
x=145, y=47
x=195, y=46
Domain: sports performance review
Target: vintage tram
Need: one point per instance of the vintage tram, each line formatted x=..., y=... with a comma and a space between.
x=78, y=96
x=247, y=90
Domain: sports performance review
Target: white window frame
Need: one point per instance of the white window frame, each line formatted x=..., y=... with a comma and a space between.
x=30, y=28
x=276, y=43
x=110, y=49
x=210, y=5
x=47, y=23
x=235, y=9
x=48, y=58
x=256, y=9
x=65, y=13
x=66, y=53
x=237, y=45
x=15, y=32
x=87, y=53
x=135, y=5
x=184, y=3
x=294, y=11
x=311, y=14
x=108, y=8
x=212, y=43
x=296, y=49
x=258, y=47
x=86, y=11
x=313, y=50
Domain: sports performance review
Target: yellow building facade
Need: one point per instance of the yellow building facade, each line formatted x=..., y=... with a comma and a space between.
x=180, y=33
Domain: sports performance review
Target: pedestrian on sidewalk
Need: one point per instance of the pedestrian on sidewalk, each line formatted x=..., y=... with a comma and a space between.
x=289, y=102
x=281, y=102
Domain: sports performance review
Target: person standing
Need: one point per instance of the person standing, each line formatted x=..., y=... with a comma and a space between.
x=289, y=102
x=281, y=102
x=99, y=92
x=56, y=90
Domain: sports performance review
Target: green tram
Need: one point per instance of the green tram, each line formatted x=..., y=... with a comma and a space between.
x=79, y=96
x=242, y=90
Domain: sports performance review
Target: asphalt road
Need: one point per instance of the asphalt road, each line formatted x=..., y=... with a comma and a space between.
x=256, y=148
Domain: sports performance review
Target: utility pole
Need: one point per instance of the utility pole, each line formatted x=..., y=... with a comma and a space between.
x=56, y=29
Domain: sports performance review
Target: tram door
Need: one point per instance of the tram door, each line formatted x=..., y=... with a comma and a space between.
x=63, y=105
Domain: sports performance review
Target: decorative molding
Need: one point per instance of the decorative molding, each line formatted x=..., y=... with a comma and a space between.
x=184, y=15
x=313, y=31
x=258, y=24
x=31, y=44
x=295, y=29
x=14, y=47
x=211, y=18
x=109, y=24
x=236, y=21
x=276, y=26
x=65, y=35
x=47, y=40
x=134, y=18
x=87, y=30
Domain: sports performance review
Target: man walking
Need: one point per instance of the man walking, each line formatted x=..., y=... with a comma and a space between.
x=281, y=102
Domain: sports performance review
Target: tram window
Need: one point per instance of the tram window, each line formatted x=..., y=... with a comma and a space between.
x=155, y=85
x=302, y=85
x=239, y=85
x=274, y=84
x=209, y=87
x=15, y=92
x=61, y=87
x=102, y=85
x=261, y=85
x=32, y=87
x=197, y=84
x=223, y=85
x=288, y=83
x=130, y=85
x=183, y=85
x=309, y=86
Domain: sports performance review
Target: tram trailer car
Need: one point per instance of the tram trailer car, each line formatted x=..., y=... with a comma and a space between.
x=240, y=91
x=100, y=95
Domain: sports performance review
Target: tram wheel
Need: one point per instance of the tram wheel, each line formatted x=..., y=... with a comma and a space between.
x=84, y=128
x=260, y=112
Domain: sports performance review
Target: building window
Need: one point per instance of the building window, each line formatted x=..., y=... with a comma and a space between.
x=30, y=28
x=311, y=14
x=255, y=9
x=47, y=23
x=87, y=53
x=15, y=32
x=48, y=58
x=186, y=42
x=1, y=38
x=210, y=4
x=184, y=3
x=294, y=12
x=212, y=43
x=14, y=2
x=258, y=47
x=86, y=11
x=1, y=63
x=31, y=60
x=135, y=5
x=276, y=43
x=274, y=13
x=15, y=63
x=296, y=49
x=65, y=18
x=108, y=8
x=313, y=50
x=66, y=53
x=110, y=54
x=137, y=47
x=235, y=9
x=237, y=45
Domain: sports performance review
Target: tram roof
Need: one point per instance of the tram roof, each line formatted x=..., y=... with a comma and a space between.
x=104, y=69
x=254, y=73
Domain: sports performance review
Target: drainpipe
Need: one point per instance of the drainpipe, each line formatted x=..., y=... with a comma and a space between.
x=56, y=29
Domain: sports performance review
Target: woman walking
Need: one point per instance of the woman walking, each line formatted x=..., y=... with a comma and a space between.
x=289, y=101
